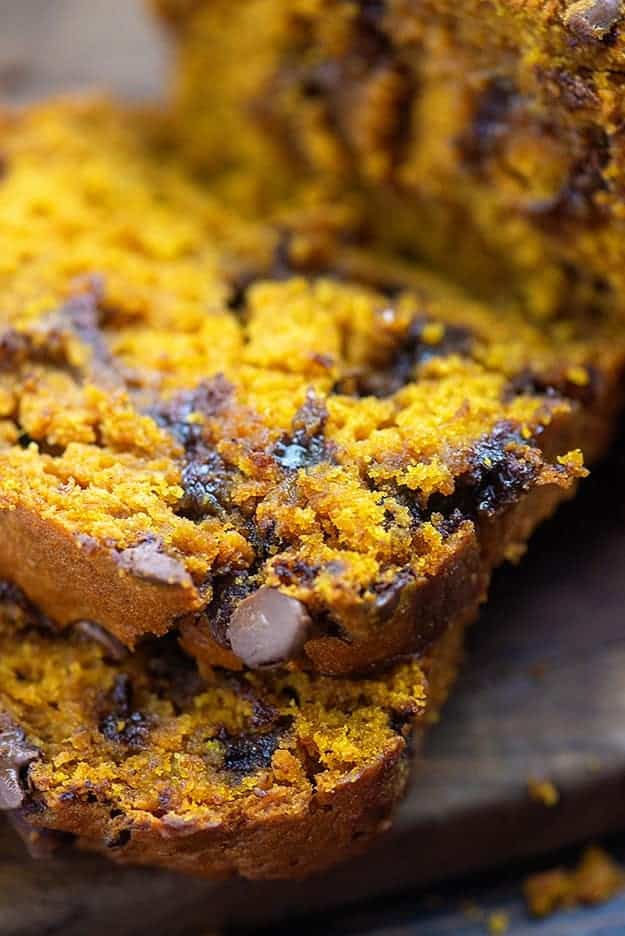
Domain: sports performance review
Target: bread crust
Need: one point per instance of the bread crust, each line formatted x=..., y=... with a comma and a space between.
x=77, y=581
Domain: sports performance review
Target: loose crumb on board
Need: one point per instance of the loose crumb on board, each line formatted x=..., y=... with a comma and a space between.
x=498, y=923
x=543, y=791
x=597, y=878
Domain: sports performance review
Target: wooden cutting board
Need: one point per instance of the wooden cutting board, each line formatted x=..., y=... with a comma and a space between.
x=542, y=694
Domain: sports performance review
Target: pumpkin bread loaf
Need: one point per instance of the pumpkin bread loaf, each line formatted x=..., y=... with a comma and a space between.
x=320, y=468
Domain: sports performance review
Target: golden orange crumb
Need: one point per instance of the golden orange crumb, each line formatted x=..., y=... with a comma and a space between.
x=498, y=923
x=597, y=878
x=543, y=791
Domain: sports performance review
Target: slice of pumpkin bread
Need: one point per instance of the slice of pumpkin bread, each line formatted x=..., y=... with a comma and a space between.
x=322, y=467
x=266, y=775
x=487, y=134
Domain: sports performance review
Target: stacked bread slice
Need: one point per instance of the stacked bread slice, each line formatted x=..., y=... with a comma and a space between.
x=254, y=480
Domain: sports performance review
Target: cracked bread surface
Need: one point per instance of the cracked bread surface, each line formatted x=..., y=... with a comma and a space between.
x=138, y=756
x=486, y=136
x=195, y=429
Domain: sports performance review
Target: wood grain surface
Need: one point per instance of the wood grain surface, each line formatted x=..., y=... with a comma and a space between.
x=542, y=693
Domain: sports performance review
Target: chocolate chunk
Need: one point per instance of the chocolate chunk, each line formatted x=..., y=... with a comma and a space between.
x=592, y=19
x=173, y=676
x=239, y=285
x=122, y=838
x=205, y=482
x=416, y=349
x=122, y=724
x=296, y=571
x=305, y=446
x=268, y=628
x=502, y=468
x=227, y=593
x=113, y=649
x=15, y=755
x=577, y=91
x=209, y=398
x=206, y=479
x=147, y=561
x=491, y=122
x=49, y=341
x=247, y=753
x=14, y=348
x=388, y=598
x=575, y=201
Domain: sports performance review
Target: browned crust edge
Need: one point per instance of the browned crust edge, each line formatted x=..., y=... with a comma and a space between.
x=72, y=581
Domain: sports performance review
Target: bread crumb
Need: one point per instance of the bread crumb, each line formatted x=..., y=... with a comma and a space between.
x=597, y=878
x=543, y=791
x=498, y=923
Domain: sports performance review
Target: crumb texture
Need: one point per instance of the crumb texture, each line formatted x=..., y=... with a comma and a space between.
x=186, y=418
x=149, y=761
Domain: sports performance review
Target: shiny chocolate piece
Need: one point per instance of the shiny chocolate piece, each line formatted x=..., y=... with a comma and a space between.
x=15, y=754
x=593, y=19
x=268, y=628
x=148, y=561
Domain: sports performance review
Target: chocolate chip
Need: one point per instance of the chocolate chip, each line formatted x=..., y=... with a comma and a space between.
x=113, y=649
x=415, y=349
x=147, y=561
x=491, y=122
x=173, y=676
x=15, y=755
x=575, y=201
x=205, y=481
x=388, y=598
x=122, y=724
x=49, y=341
x=14, y=348
x=247, y=753
x=121, y=694
x=227, y=593
x=209, y=398
x=298, y=572
x=592, y=19
x=577, y=91
x=305, y=446
x=268, y=628
x=502, y=468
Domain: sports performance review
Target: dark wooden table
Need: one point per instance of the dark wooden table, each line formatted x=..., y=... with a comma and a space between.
x=542, y=694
